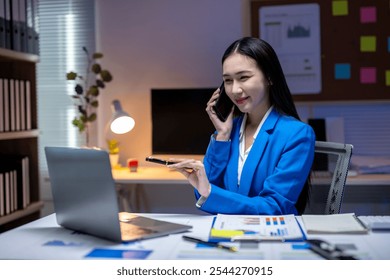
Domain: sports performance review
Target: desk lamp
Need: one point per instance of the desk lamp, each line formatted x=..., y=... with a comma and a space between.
x=120, y=123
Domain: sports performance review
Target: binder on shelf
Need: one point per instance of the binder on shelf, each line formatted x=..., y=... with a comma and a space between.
x=14, y=6
x=13, y=196
x=28, y=105
x=22, y=105
x=7, y=197
x=12, y=180
x=1, y=106
x=7, y=24
x=18, y=167
x=2, y=24
x=30, y=26
x=36, y=26
x=26, y=182
x=17, y=105
x=2, y=210
x=6, y=171
x=6, y=105
x=23, y=25
x=12, y=104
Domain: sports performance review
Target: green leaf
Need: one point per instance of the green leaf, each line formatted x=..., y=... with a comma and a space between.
x=93, y=90
x=83, y=119
x=92, y=117
x=97, y=55
x=100, y=83
x=79, y=124
x=82, y=110
x=95, y=104
x=96, y=68
x=106, y=75
x=71, y=76
x=79, y=89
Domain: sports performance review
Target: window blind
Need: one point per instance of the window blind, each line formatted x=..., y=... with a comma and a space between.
x=65, y=27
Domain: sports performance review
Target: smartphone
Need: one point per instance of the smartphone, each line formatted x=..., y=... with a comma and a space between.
x=159, y=161
x=327, y=250
x=224, y=104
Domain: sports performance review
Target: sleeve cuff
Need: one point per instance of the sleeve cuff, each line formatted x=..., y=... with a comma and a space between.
x=200, y=201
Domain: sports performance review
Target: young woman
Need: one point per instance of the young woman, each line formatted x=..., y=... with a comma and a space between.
x=259, y=161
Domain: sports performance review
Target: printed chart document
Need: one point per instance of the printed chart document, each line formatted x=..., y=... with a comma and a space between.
x=336, y=223
x=258, y=227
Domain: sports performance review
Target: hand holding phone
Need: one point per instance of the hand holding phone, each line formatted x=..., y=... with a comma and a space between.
x=159, y=161
x=224, y=104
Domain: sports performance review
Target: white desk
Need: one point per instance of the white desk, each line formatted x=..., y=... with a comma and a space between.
x=148, y=175
x=44, y=239
x=130, y=185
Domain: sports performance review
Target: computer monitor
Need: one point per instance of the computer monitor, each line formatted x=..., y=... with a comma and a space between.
x=180, y=123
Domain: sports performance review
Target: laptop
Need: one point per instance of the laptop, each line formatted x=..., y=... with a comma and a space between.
x=85, y=198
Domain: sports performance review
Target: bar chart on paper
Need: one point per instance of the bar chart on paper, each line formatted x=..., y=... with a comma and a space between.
x=284, y=227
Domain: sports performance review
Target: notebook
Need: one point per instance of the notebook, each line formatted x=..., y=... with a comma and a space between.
x=85, y=199
x=336, y=223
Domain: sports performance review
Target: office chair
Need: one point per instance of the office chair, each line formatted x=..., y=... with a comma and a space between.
x=329, y=174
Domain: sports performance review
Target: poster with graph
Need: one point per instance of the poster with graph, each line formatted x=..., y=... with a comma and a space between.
x=336, y=50
x=294, y=32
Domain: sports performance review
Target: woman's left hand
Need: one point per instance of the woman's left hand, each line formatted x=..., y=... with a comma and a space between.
x=195, y=173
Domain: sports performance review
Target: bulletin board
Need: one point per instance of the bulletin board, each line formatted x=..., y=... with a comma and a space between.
x=354, y=47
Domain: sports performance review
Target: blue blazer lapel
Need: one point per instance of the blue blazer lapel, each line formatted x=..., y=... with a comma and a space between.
x=232, y=168
x=257, y=152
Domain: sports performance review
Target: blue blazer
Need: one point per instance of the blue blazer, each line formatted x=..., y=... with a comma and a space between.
x=274, y=172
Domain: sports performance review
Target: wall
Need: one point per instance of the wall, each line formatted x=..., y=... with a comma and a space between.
x=161, y=44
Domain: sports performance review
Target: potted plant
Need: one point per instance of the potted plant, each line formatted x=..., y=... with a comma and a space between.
x=87, y=91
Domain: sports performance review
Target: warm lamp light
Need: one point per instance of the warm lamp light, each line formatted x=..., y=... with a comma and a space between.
x=120, y=122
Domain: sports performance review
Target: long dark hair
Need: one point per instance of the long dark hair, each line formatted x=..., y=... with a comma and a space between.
x=279, y=93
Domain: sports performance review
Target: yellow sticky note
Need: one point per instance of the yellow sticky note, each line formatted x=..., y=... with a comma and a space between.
x=388, y=78
x=368, y=43
x=225, y=233
x=340, y=8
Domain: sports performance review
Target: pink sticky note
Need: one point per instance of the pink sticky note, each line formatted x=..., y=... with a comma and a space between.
x=368, y=75
x=367, y=14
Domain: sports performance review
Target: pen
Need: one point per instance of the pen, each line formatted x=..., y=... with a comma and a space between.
x=213, y=244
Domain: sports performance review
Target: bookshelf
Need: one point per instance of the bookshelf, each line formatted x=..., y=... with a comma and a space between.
x=20, y=138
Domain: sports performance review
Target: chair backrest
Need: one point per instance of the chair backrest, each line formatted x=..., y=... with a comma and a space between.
x=336, y=170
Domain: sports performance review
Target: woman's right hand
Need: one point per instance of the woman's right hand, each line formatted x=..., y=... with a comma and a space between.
x=223, y=128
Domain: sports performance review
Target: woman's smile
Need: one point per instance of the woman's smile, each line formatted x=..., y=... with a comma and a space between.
x=241, y=100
